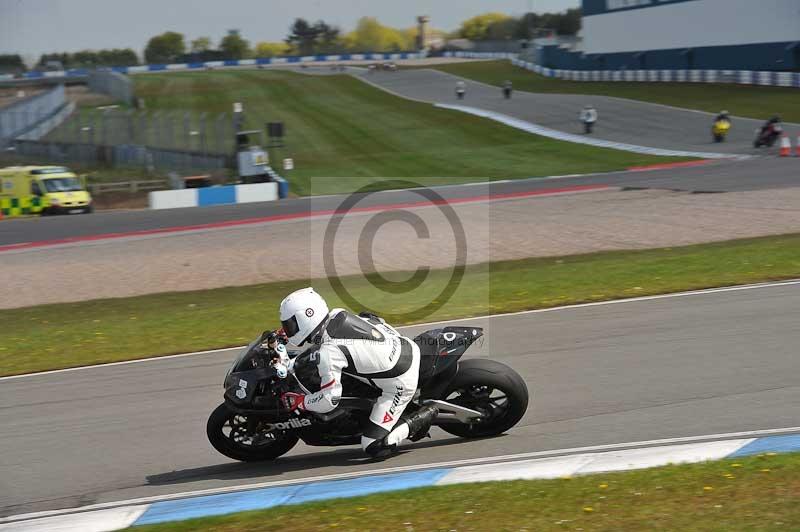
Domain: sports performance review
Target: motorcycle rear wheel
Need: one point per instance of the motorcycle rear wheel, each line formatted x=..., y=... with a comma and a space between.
x=490, y=387
x=227, y=433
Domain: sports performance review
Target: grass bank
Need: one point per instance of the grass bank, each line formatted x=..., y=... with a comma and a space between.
x=346, y=133
x=741, y=100
x=64, y=335
x=753, y=493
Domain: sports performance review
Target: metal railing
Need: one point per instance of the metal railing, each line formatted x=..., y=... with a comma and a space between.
x=123, y=155
x=129, y=186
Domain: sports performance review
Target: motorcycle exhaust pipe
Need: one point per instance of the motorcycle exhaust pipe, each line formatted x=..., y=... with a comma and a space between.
x=450, y=413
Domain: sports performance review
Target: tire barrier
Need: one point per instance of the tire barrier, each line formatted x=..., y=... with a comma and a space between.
x=740, y=77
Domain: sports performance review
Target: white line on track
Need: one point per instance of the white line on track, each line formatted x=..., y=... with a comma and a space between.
x=408, y=468
x=738, y=288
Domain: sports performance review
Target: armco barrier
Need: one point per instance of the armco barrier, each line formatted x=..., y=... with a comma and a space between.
x=740, y=77
x=205, y=197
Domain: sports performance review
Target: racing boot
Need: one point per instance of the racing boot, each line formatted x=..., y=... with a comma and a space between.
x=419, y=423
x=380, y=450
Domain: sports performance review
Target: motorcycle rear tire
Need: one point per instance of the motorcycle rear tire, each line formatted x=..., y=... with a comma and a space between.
x=216, y=421
x=482, y=372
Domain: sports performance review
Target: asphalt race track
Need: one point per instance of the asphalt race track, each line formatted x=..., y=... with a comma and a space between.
x=716, y=362
x=718, y=176
x=620, y=120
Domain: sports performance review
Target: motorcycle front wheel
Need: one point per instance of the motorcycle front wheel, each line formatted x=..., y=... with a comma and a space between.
x=231, y=435
x=491, y=388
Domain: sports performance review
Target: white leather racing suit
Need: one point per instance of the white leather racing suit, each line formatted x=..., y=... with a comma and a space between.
x=374, y=352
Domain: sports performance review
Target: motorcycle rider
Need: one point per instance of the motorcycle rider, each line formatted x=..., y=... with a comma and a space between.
x=770, y=131
x=723, y=116
x=508, y=87
x=461, y=89
x=589, y=117
x=366, y=348
x=721, y=126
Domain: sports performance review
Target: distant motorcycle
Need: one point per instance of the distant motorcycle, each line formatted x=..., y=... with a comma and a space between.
x=476, y=398
x=461, y=90
x=720, y=130
x=768, y=134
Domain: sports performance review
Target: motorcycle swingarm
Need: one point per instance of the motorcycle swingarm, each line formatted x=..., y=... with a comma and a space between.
x=450, y=413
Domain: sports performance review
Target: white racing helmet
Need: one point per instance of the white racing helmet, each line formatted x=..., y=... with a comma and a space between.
x=302, y=312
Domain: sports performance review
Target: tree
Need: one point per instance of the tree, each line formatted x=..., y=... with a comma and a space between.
x=63, y=58
x=502, y=29
x=164, y=48
x=328, y=38
x=271, y=49
x=200, y=45
x=11, y=64
x=117, y=57
x=303, y=36
x=569, y=22
x=371, y=36
x=127, y=57
x=234, y=46
x=532, y=24
x=477, y=28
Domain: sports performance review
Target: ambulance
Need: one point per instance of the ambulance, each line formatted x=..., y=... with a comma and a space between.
x=42, y=189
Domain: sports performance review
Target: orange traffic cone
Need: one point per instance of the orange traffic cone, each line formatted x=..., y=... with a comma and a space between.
x=786, y=146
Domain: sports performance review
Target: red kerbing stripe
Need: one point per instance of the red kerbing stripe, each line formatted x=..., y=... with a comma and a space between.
x=299, y=215
x=667, y=166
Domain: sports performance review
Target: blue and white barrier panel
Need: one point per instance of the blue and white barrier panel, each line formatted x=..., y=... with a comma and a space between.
x=207, y=196
x=262, y=61
x=536, y=465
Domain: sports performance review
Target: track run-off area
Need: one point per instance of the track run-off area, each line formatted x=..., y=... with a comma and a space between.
x=716, y=361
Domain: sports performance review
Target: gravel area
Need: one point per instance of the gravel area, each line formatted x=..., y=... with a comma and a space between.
x=497, y=230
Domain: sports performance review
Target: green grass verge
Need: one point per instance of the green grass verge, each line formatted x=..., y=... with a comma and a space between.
x=741, y=100
x=64, y=335
x=753, y=493
x=340, y=128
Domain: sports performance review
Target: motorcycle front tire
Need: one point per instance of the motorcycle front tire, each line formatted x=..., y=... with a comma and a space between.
x=221, y=415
